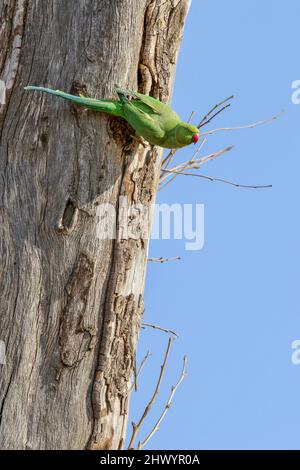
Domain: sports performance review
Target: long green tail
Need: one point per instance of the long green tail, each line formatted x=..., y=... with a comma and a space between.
x=106, y=106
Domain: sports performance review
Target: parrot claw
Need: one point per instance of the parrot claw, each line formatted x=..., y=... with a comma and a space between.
x=139, y=140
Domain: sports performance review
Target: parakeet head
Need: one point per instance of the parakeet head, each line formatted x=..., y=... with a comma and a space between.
x=187, y=134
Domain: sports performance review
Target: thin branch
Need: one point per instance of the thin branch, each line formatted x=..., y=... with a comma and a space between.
x=191, y=164
x=182, y=166
x=172, y=151
x=198, y=149
x=163, y=260
x=196, y=163
x=212, y=156
x=213, y=116
x=248, y=126
x=167, y=407
x=168, y=159
x=156, y=327
x=205, y=120
x=136, y=427
x=222, y=180
x=138, y=372
x=191, y=116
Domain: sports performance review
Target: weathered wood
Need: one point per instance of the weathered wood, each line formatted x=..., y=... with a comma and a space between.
x=71, y=302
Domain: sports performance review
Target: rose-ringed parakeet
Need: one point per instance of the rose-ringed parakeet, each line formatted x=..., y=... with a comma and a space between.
x=151, y=119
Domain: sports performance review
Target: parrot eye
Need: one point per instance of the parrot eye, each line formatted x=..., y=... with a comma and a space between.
x=195, y=138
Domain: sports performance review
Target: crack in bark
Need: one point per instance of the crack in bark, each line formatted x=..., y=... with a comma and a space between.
x=72, y=321
x=11, y=62
x=4, y=398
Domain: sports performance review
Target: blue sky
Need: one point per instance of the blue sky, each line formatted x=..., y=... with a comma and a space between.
x=235, y=303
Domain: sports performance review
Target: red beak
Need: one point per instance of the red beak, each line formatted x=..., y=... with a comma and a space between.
x=195, y=138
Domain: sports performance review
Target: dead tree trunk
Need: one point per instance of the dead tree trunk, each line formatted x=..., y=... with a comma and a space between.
x=71, y=302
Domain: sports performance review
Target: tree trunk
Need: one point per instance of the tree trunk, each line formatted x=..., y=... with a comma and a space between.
x=72, y=301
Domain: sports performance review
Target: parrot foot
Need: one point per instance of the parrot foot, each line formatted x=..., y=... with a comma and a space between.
x=140, y=140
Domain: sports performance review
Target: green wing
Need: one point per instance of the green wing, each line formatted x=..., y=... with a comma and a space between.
x=138, y=97
x=150, y=104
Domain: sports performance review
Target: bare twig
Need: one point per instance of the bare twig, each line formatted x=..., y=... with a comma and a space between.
x=163, y=260
x=205, y=120
x=168, y=159
x=222, y=180
x=170, y=154
x=213, y=116
x=198, y=149
x=142, y=444
x=191, y=116
x=196, y=163
x=138, y=372
x=248, y=126
x=191, y=164
x=182, y=166
x=136, y=427
x=212, y=156
x=156, y=327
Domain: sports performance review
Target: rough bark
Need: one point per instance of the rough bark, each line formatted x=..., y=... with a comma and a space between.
x=71, y=303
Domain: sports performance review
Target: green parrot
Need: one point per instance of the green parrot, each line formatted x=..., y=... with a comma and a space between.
x=151, y=119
